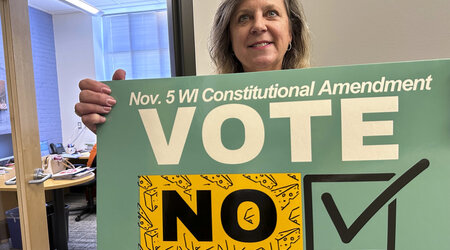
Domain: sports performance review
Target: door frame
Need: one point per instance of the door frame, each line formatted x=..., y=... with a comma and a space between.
x=24, y=122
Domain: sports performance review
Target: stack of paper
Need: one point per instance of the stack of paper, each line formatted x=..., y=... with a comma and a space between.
x=73, y=173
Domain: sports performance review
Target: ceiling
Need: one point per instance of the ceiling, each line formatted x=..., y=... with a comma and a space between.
x=58, y=7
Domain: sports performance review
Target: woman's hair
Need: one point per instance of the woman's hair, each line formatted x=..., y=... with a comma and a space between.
x=221, y=51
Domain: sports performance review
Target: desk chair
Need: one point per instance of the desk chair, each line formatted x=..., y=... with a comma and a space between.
x=90, y=189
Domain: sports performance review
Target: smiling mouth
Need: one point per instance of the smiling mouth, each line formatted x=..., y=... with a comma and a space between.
x=258, y=45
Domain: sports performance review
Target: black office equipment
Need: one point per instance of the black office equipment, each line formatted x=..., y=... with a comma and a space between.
x=90, y=189
x=56, y=148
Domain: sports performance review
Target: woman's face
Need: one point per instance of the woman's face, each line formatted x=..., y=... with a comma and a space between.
x=260, y=34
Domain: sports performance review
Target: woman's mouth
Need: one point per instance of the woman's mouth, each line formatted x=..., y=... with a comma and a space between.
x=259, y=44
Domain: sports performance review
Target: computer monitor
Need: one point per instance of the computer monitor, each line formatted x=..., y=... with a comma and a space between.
x=45, y=150
x=6, y=149
x=6, y=160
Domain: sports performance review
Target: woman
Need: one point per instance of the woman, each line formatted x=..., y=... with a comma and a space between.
x=247, y=36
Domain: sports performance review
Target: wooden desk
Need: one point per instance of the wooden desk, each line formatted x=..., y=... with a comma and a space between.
x=49, y=184
x=84, y=156
x=61, y=235
x=80, y=158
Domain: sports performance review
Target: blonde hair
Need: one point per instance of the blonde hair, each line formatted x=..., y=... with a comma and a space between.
x=220, y=48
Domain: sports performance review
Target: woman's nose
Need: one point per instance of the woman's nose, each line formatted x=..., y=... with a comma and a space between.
x=259, y=25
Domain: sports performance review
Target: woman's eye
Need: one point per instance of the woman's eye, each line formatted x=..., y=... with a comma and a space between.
x=272, y=13
x=243, y=18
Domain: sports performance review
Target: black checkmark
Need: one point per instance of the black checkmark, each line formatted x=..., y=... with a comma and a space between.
x=348, y=233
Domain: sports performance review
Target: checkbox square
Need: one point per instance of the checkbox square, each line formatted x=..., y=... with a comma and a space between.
x=385, y=198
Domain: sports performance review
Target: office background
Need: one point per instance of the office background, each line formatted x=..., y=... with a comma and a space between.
x=46, y=82
x=47, y=96
x=343, y=32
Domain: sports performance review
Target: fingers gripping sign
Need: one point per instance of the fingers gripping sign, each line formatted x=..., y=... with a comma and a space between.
x=95, y=100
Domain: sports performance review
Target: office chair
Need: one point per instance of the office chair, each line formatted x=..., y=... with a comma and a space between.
x=90, y=189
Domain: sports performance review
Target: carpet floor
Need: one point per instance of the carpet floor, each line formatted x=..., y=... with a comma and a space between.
x=82, y=234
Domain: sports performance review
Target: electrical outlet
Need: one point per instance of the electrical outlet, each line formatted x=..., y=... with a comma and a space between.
x=79, y=125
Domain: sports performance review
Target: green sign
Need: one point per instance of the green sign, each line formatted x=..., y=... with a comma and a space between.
x=352, y=157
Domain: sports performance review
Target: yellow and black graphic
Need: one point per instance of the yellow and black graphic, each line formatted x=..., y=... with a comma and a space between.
x=220, y=180
x=286, y=194
x=144, y=221
x=288, y=238
x=265, y=180
x=145, y=183
x=235, y=211
x=181, y=181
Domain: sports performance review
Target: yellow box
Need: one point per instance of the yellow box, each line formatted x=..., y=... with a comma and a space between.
x=235, y=211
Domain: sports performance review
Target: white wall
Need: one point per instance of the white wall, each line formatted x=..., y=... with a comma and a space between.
x=356, y=31
x=204, y=11
x=368, y=31
x=74, y=61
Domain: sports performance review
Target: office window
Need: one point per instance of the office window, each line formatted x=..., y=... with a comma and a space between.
x=5, y=123
x=138, y=43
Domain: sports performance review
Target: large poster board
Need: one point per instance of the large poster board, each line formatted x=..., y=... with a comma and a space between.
x=352, y=157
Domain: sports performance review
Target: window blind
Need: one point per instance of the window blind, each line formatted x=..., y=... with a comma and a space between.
x=138, y=43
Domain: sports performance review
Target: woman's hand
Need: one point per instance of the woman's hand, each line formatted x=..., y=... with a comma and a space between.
x=95, y=100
